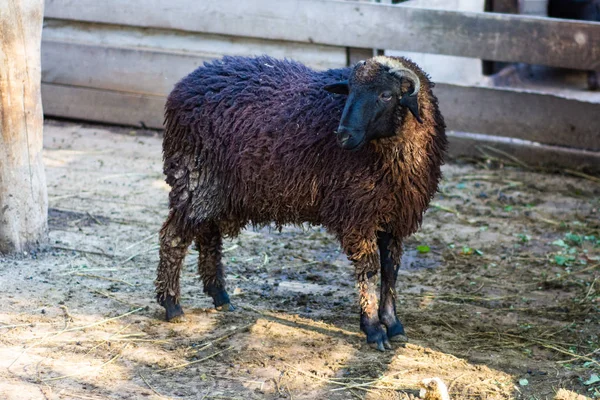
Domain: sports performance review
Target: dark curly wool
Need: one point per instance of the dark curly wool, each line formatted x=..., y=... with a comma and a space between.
x=251, y=140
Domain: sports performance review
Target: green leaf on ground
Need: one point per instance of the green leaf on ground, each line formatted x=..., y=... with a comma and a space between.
x=560, y=243
x=423, y=249
x=593, y=379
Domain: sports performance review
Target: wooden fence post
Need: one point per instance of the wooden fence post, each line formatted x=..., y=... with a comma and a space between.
x=23, y=195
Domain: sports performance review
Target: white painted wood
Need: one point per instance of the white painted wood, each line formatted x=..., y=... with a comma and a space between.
x=445, y=68
x=538, y=117
x=533, y=7
x=121, y=69
x=490, y=36
x=502, y=112
x=23, y=195
x=105, y=106
x=206, y=46
x=463, y=144
x=117, y=63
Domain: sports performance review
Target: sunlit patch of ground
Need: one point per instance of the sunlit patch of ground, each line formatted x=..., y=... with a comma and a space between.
x=498, y=292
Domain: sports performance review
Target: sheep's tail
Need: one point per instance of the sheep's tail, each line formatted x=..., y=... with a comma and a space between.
x=175, y=129
x=178, y=166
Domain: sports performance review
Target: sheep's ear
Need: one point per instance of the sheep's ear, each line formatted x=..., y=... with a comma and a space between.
x=412, y=104
x=338, y=87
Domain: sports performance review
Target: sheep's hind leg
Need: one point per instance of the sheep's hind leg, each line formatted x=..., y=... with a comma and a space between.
x=387, y=301
x=369, y=317
x=210, y=267
x=173, y=247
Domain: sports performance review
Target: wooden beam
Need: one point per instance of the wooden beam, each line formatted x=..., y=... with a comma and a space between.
x=23, y=195
x=523, y=114
x=537, y=117
x=152, y=70
x=490, y=36
x=145, y=110
x=142, y=71
x=105, y=106
x=463, y=144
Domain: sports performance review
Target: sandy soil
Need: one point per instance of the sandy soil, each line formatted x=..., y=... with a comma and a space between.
x=504, y=304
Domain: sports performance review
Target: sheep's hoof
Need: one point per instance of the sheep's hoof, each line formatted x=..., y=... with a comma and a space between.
x=220, y=298
x=172, y=308
x=377, y=339
x=395, y=333
x=381, y=345
x=225, y=307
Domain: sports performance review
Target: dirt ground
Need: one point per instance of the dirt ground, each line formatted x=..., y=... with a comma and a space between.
x=498, y=291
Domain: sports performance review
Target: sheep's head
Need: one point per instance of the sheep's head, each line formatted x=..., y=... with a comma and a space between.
x=378, y=89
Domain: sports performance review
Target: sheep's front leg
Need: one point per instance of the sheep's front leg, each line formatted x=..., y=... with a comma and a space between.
x=369, y=317
x=387, y=303
x=173, y=247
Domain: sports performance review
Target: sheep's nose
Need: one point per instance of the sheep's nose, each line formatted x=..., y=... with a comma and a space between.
x=343, y=135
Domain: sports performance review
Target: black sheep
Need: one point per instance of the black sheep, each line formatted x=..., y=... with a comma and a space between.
x=256, y=140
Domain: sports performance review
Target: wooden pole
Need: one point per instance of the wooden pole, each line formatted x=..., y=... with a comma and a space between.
x=23, y=196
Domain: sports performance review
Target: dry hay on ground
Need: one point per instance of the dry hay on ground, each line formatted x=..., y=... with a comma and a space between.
x=501, y=302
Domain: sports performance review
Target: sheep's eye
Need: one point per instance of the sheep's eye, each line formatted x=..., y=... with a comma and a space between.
x=386, y=96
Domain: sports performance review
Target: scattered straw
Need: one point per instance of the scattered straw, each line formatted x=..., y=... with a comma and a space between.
x=589, y=292
x=98, y=253
x=96, y=220
x=76, y=270
x=509, y=156
x=579, y=357
x=396, y=384
x=151, y=388
x=113, y=359
x=194, y=362
x=79, y=396
x=112, y=297
x=137, y=254
x=106, y=278
x=140, y=242
x=582, y=175
x=552, y=345
x=212, y=342
x=438, y=206
x=107, y=339
x=16, y=325
x=227, y=250
x=68, y=319
x=233, y=378
x=565, y=276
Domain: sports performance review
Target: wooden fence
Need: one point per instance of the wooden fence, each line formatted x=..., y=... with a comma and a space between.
x=114, y=61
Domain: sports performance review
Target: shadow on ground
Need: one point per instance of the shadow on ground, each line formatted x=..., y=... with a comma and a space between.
x=500, y=301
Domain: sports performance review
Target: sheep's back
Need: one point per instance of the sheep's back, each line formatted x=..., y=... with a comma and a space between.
x=252, y=140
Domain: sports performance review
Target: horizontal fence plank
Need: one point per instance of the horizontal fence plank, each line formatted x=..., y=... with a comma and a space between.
x=538, y=117
x=463, y=144
x=499, y=37
x=121, y=69
x=143, y=110
x=141, y=70
x=192, y=44
x=507, y=113
x=103, y=106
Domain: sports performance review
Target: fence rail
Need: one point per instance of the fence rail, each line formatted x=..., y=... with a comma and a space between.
x=498, y=37
x=115, y=61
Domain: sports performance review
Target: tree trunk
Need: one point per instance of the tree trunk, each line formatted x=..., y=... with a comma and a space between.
x=23, y=196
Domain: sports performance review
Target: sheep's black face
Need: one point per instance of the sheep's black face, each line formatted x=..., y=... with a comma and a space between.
x=369, y=111
x=372, y=108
